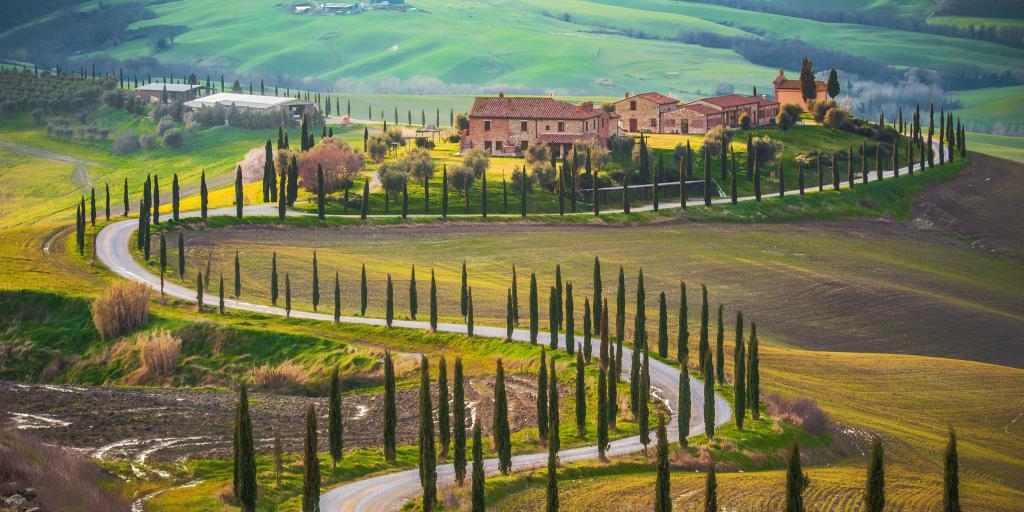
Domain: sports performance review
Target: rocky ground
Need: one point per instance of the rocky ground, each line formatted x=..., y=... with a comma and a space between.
x=164, y=425
x=20, y=500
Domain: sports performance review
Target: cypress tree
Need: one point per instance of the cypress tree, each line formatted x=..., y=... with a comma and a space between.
x=444, y=428
x=390, y=408
x=316, y=283
x=753, y=393
x=662, y=493
x=835, y=172
x=273, y=279
x=643, y=409
x=796, y=481
x=464, y=295
x=850, y=177
x=707, y=176
x=478, y=471
x=598, y=296
x=683, y=333
x=683, y=415
x=268, y=167
x=587, y=347
x=581, y=397
x=469, y=314
x=551, y=500
x=620, y=307
x=364, y=205
x=740, y=373
x=602, y=412
x=570, y=320
x=558, y=295
x=282, y=196
x=515, y=296
x=311, y=465
x=163, y=262
x=239, y=199
x=106, y=204
x=181, y=256
x=245, y=455
x=238, y=275
x=337, y=298
x=662, y=326
x=554, y=417
x=320, y=195
x=389, y=303
x=155, y=202
x=126, y=197
x=711, y=490
x=703, y=348
x=220, y=296
x=428, y=458
x=709, y=397
x=750, y=159
x=542, y=397
x=363, y=291
x=287, y=296
x=459, y=424
x=199, y=292
x=204, y=194
x=335, y=428
x=874, y=491
x=782, y=181
x=500, y=429
x=951, y=477
x=613, y=392
x=720, y=349
x=534, y=319
x=553, y=319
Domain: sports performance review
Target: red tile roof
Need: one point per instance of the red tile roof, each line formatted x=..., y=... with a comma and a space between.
x=659, y=98
x=732, y=100
x=700, y=109
x=565, y=138
x=795, y=84
x=529, y=108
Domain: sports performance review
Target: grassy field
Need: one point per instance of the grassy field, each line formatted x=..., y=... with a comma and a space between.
x=998, y=145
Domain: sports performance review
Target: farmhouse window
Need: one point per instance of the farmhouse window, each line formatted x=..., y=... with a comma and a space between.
x=632, y=105
x=487, y=144
x=561, y=126
x=487, y=126
x=497, y=145
x=654, y=123
x=523, y=145
x=523, y=126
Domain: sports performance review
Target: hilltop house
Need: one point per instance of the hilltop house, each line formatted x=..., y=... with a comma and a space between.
x=152, y=92
x=657, y=113
x=508, y=125
x=288, y=105
x=788, y=91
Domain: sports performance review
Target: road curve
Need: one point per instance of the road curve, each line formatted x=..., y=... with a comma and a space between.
x=390, y=491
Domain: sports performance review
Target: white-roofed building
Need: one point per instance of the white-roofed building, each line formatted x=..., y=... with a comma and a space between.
x=170, y=92
x=291, y=106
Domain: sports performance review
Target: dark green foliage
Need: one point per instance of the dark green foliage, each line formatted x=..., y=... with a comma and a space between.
x=581, y=397
x=534, y=314
x=554, y=417
x=500, y=428
x=311, y=465
x=459, y=423
x=316, y=282
x=796, y=481
x=614, y=370
x=683, y=415
x=662, y=493
x=620, y=307
x=703, y=348
x=245, y=455
x=155, y=201
x=662, y=326
x=598, y=297
x=874, y=490
x=163, y=261
x=273, y=279
x=220, y=296
x=711, y=490
x=720, y=348
x=199, y=291
x=808, y=87
x=602, y=412
x=282, y=196
x=363, y=291
x=390, y=409
x=709, y=394
x=444, y=428
x=739, y=373
x=464, y=296
x=337, y=298
x=478, y=471
x=238, y=275
x=433, y=302
x=683, y=333
x=509, y=321
x=588, y=346
x=643, y=406
x=239, y=197
x=414, y=305
x=287, y=295
x=832, y=87
x=515, y=296
x=570, y=321
x=469, y=314
x=389, y=302
x=428, y=457
x=126, y=197
x=551, y=495
x=335, y=427
x=204, y=194
x=951, y=477
x=753, y=373
x=542, y=397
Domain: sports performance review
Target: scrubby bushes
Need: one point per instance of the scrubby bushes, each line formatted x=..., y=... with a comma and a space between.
x=818, y=109
x=126, y=143
x=789, y=115
x=22, y=91
x=767, y=150
x=537, y=155
x=340, y=163
x=621, y=146
x=393, y=176
x=715, y=138
x=252, y=119
x=147, y=141
x=120, y=309
x=521, y=179
x=158, y=355
x=173, y=139
x=461, y=178
x=478, y=160
x=802, y=412
x=285, y=376
x=377, y=146
x=77, y=129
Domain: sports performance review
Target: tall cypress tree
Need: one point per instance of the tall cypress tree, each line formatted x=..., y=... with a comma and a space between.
x=553, y=319
x=753, y=394
x=311, y=465
x=581, y=397
x=245, y=455
x=464, y=295
x=614, y=370
x=155, y=202
x=662, y=492
x=273, y=279
x=703, y=347
x=163, y=261
x=874, y=490
x=444, y=428
x=238, y=275
x=711, y=490
x=534, y=314
x=239, y=197
x=335, y=428
x=428, y=458
x=316, y=283
x=739, y=373
x=478, y=471
x=126, y=197
x=390, y=409
x=181, y=256
x=389, y=302
x=220, y=296
x=413, y=299
x=542, y=397
x=602, y=411
x=569, y=320
x=620, y=307
x=598, y=296
x=459, y=423
x=363, y=291
x=199, y=292
x=433, y=302
x=337, y=298
x=515, y=296
x=554, y=417
x=588, y=346
x=282, y=196
x=500, y=429
x=551, y=496
x=268, y=167
x=683, y=415
x=720, y=348
x=709, y=397
x=643, y=402
x=951, y=476
x=287, y=295
x=204, y=194
x=469, y=314
x=796, y=481
x=683, y=333
x=662, y=326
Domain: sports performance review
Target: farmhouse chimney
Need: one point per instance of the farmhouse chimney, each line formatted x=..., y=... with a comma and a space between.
x=626, y=95
x=587, y=106
x=501, y=94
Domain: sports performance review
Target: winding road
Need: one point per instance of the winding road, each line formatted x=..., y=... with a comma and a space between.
x=390, y=491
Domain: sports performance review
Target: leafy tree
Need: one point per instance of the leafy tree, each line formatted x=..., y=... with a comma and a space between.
x=874, y=491
x=335, y=428
x=390, y=409
x=796, y=481
x=428, y=458
x=311, y=465
x=833, y=84
x=459, y=423
x=500, y=429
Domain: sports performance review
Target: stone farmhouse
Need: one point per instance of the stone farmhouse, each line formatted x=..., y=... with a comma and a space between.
x=657, y=113
x=788, y=91
x=509, y=125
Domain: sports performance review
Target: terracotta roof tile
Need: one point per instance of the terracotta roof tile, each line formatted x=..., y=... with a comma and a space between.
x=565, y=138
x=659, y=98
x=528, y=108
x=795, y=84
x=700, y=109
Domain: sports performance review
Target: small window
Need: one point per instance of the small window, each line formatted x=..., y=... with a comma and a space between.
x=547, y=127
x=523, y=126
x=561, y=126
x=654, y=123
x=497, y=145
x=523, y=145
x=487, y=126
x=632, y=105
x=487, y=144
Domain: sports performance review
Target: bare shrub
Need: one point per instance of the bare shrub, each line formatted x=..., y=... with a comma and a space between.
x=120, y=309
x=286, y=375
x=63, y=479
x=158, y=353
x=802, y=412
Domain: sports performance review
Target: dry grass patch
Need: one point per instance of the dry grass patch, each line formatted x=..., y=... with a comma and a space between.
x=286, y=375
x=120, y=309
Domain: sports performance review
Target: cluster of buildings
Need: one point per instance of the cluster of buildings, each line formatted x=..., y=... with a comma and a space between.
x=509, y=125
x=196, y=96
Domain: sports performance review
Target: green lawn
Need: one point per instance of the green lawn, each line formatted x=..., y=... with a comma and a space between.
x=998, y=145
